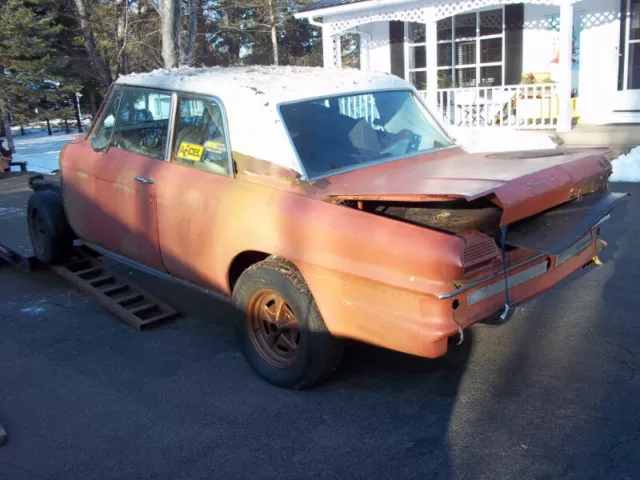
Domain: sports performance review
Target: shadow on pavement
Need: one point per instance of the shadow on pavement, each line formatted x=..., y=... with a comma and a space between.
x=552, y=394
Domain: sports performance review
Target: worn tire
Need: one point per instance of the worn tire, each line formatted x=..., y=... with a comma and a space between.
x=50, y=233
x=319, y=352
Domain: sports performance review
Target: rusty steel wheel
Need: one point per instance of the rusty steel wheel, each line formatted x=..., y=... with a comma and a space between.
x=280, y=330
x=273, y=328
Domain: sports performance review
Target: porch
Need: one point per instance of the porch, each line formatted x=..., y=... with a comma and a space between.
x=455, y=52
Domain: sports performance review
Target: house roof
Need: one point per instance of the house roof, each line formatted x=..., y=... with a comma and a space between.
x=320, y=4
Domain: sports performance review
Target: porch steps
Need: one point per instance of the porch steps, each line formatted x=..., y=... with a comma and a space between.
x=119, y=296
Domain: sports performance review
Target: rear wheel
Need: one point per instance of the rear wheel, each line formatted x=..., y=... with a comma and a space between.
x=50, y=233
x=280, y=330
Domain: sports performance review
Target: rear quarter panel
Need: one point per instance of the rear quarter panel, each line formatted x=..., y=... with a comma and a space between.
x=205, y=221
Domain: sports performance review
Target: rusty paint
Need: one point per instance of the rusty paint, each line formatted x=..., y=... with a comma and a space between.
x=521, y=189
x=374, y=279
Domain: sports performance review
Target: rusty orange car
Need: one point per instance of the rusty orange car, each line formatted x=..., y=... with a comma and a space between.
x=326, y=205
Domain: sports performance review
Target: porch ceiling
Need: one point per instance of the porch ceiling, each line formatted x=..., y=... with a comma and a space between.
x=320, y=4
x=342, y=15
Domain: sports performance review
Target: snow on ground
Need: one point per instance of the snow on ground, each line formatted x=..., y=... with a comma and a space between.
x=40, y=151
x=626, y=168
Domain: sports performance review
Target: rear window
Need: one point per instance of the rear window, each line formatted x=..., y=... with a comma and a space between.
x=340, y=133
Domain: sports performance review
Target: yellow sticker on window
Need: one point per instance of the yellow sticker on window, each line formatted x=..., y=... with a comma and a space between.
x=190, y=151
x=215, y=147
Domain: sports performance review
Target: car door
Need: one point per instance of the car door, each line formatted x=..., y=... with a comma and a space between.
x=112, y=197
x=192, y=190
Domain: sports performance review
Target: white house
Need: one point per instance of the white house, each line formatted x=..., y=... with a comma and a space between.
x=541, y=64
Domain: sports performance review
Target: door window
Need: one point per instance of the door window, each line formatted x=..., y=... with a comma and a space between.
x=201, y=140
x=142, y=123
x=101, y=136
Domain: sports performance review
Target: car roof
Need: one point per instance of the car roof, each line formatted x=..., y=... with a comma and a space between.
x=251, y=96
x=278, y=84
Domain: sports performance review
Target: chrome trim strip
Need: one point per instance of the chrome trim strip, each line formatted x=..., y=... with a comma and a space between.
x=173, y=116
x=574, y=249
x=151, y=271
x=514, y=280
x=463, y=289
x=560, y=259
x=581, y=244
x=602, y=220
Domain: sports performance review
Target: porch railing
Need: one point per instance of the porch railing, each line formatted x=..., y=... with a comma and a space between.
x=513, y=106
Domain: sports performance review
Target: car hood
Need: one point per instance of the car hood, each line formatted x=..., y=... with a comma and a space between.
x=521, y=183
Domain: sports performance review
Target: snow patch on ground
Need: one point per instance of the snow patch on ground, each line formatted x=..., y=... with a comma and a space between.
x=34, y=309
x=626, y=168
x=40, y=151
x=12, y=211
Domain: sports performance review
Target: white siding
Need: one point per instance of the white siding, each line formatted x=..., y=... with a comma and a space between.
x=379, y=48
x=597, y=76
x=537, y=39
x=599, y=45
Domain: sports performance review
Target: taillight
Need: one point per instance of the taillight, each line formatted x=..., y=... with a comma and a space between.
x=479, y=249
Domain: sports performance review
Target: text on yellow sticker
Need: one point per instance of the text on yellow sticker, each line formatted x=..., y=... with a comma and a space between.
x=190, y=151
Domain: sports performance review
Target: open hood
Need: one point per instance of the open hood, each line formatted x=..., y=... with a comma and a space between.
x=522, y=184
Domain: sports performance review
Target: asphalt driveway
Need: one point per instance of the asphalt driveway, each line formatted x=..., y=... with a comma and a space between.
x=553, y=394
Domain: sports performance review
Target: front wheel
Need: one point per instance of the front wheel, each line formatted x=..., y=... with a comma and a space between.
x=50, y=233
x=280, y=330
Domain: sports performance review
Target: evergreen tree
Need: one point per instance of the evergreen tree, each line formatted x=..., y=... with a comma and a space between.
x=29, y=58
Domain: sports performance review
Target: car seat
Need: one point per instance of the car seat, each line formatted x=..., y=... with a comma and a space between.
x=208, y=130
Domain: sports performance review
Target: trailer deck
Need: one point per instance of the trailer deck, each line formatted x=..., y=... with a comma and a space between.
x=15, y=245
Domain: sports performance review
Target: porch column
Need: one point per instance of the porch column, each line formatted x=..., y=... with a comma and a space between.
x=565, y=49
x=432, y=65
x=328, y=49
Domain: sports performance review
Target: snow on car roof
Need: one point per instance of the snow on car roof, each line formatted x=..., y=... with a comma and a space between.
x=280, y=84
x=251, y=95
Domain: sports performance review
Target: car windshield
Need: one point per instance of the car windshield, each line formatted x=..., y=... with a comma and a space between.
x=342, y=132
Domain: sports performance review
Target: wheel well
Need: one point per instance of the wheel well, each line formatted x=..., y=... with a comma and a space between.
x=243, y=261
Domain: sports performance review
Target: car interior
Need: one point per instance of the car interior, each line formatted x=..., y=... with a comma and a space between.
x=206, y=131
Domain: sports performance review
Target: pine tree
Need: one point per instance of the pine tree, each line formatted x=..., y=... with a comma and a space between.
x=28, y=56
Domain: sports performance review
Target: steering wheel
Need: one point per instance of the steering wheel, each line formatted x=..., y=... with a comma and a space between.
x=411, y=140
x=414, y=143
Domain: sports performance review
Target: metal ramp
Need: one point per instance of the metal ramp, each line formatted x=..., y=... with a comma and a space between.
x=85, y=270
x=116, y=294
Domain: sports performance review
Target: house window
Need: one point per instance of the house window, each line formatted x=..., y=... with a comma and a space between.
x=416, y=55
x=470, y=51
x=630, y=44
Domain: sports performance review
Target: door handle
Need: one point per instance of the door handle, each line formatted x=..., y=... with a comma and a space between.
x=145, y=180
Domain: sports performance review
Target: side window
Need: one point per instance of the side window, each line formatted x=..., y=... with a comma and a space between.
x=102, y=135
x=142, y=123
x=201, y=140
